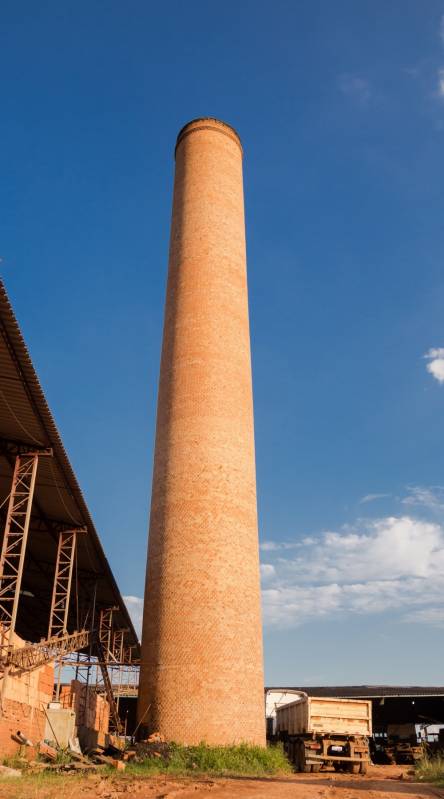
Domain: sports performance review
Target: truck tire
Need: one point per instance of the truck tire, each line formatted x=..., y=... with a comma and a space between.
x=363, y=767
x=289, y=750
x=300, y=758
x=316, y=767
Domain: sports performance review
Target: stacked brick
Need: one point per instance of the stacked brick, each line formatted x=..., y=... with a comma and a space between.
x=201, y=675
x=91, y=709
x=24, y=698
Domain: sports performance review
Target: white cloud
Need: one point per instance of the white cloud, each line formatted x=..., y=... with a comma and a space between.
x=372, y=498
x=135, y=610
x=355, y=87
x=269, y=546
x=273, y=546
x=267, y=570
x=441, y=82
x=430, y=497
x=433, y=616
x=435, y=355
x=393, y=563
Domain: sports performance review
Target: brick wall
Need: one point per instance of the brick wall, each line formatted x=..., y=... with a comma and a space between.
x=91, y=708
x=24, y=697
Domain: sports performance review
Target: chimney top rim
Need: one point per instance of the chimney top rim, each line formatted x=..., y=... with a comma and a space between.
x=231, y=132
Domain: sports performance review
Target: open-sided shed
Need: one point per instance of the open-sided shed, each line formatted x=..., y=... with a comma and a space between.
x=27, y=425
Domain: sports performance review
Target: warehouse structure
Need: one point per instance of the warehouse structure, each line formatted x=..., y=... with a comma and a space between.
x=59, y=601
x=392, y=706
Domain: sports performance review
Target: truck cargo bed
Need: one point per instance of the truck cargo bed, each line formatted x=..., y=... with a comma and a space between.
x=325, y=715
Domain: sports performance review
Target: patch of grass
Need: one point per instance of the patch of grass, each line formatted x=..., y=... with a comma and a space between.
x=216, y=760
x=13, y=761
x=431, y=769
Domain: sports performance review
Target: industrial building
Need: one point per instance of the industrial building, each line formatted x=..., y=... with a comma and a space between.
x=69, y=654
x=60, y=605
x=396, y=710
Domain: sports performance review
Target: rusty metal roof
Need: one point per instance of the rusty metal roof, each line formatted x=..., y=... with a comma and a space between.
x=25, y=418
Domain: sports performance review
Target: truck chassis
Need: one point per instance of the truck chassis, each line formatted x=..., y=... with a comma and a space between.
x=310, y=752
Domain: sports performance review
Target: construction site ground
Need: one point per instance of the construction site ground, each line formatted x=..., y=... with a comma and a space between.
x=381, y=782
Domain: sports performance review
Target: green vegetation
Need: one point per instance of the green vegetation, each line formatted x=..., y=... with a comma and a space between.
x=431, y=769
x=216, y=760
x=175, y=761
x=13, y=761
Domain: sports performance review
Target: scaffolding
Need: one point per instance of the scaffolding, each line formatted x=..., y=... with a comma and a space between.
x=14, y=542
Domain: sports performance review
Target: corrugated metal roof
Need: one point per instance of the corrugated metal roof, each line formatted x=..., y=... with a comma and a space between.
x=25, y=418
x=365, y=691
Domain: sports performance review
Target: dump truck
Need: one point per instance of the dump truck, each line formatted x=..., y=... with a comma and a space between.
x=326, y=731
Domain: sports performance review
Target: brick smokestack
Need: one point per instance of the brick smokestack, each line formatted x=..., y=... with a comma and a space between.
x=202, y=675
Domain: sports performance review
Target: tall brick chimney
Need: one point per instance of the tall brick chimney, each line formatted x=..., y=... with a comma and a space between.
x=201, y=675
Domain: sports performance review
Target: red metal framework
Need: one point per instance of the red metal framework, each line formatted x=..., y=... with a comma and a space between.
x=15, y=538
x=61, y=592
x=117, y=645
x=105, y=633
x=35, y=655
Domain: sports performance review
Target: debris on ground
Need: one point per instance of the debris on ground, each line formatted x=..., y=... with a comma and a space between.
x=21, y=739
x=47, y=751
x=156, y=738
x=7, y=771
x=52, y=757
x=145, y=750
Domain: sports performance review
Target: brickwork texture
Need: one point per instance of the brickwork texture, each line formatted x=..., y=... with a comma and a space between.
x=202, y=673
x=24, y=698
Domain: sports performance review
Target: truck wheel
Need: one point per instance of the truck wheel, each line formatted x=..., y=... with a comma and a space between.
x=354, y=768
x=363, y=767
x=301, y=763
x=316, y=767
x=293, y=754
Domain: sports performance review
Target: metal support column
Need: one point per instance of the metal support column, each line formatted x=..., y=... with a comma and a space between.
x=105, y=632
x=117, y=649
x=105, y=645
x=14, y=541
x=61, y=591
x=118, y=640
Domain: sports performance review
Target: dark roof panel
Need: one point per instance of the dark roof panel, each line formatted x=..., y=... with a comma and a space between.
x=364, y=691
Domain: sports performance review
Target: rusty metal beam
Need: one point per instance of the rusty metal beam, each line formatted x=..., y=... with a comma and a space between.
x=15, y=538
x=61, y=592
x=46, y=651
x=105, y=633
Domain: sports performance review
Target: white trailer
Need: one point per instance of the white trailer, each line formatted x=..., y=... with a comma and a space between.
x=326, y=731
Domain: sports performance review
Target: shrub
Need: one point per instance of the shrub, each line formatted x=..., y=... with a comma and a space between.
x=217, y=760
x=431, y=769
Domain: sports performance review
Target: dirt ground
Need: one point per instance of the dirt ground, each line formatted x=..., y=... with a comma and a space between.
x=381, y=782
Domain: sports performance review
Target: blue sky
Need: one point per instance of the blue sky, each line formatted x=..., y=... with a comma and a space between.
x=340, y=107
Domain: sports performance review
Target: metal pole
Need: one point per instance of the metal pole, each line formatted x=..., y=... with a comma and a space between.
x=14, y=541
x=12, y=556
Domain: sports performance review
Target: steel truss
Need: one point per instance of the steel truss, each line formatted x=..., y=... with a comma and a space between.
x=35, y=655
x=111, y=659
x=15, y=538
x=106, y=632
x=61, y=592
x=117, y=645
x=115, y=724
